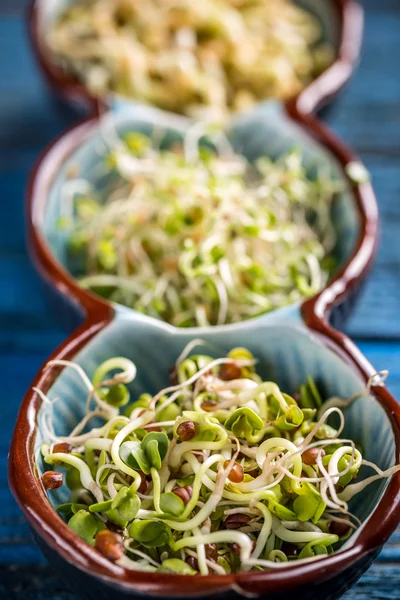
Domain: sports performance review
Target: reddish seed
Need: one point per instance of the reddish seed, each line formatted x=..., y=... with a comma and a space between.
x=230, y=371
x=109, y=544
x=52, y=480
x=236, y=474
x=173, y=375
x=309, y=457
x=185, y=493
x=186, y=431
x=192, y=562
x=236, y=521
x=62, y=447
x=153, y=427
x=254, y=473
x=339, y=529
x=209, y=405
x=236, y=548
x=211, y=551
x=290, y=549
x=143, y=483
x=114, y=527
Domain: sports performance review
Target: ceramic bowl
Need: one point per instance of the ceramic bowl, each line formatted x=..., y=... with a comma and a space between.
x=271, y=129
x=288, y=349
x=342, y=25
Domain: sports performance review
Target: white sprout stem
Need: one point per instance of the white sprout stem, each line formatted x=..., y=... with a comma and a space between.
x=206, y=510
x=188, y=349
x=181, y=449
x=84, y=472
x=321, y=421
x=201, y=554
x=377, y=379
x=269, y=388
x=270, y=564
x=127, y=374
x=278, y=443
x=333, y=466
x=107, y=410
x=82, y=424
x=217, y=537
x=143, y=555
x=198, y=480
x=156, y=489
x=98, y=444
x=328, y=483
x=112, y=492
x=296, y=537
x=101, y=469
x=199, y=373
x=135, y=565
x=355, y=488
x=265, y=530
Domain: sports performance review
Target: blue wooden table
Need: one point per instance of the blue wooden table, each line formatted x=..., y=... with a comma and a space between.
x=367, y=116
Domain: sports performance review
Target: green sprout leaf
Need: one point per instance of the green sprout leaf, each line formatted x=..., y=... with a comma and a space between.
x=73, y=479
x=319, y=547
x=126, y=503
x=152, y=534
x=244, y=423
x=281, y=511
x=155, y=446
x=309, y=395
x=308, y=505
x=176, y=565
x=117, y=395
x=134, y=456
x=292, y=419
x=114, y=517
x=85, y=525
x=343, y=464
x=101, y=506
x=70, y=508
x=172, y=504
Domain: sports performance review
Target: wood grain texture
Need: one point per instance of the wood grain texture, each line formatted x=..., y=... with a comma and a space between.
x=367, y=117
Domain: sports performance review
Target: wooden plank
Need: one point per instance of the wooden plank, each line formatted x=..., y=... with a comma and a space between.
x=381, y=582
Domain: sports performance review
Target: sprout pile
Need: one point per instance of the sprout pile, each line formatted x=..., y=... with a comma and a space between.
x=197, y=58
x=194, y=234
x=219, y=472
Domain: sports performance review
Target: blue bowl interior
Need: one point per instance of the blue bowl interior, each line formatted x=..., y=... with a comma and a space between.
x=267, y=130
x=286, y=351
x=324, y=10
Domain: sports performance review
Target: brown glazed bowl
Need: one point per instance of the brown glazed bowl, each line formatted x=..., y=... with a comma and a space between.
x=342, y=23
x=291, y=348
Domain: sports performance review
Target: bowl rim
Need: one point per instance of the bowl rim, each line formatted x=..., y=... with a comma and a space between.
x=42, y=517
x=318, y=93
